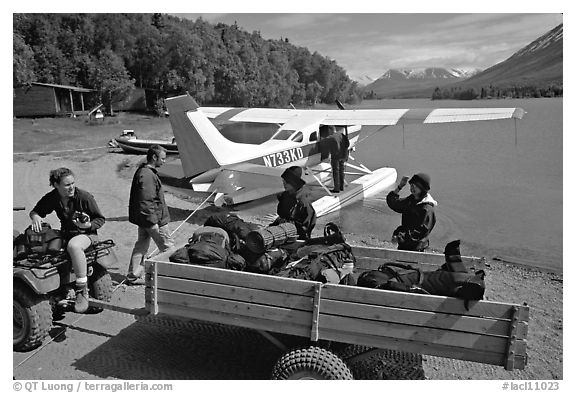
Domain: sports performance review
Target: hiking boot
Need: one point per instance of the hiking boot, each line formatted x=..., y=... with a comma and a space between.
x=136, y=281
x=81, y=302
x=132, y=279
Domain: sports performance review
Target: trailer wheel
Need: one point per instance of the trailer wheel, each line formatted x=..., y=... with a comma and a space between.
x=100, y=286
x=32, y=318
x=311, y=363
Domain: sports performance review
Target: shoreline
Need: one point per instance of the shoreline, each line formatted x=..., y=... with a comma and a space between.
x=125, y=167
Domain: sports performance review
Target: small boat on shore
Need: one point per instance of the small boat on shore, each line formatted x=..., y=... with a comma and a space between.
x=131, y=144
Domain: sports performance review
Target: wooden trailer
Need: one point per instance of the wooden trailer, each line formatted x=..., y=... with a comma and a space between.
x=486, y=332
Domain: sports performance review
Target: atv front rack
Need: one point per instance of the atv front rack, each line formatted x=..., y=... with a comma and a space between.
x=48, y=261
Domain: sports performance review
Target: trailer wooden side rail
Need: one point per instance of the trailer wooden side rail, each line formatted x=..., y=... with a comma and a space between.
x=488, y=332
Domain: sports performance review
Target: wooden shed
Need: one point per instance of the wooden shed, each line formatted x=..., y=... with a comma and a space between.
x=45, y=99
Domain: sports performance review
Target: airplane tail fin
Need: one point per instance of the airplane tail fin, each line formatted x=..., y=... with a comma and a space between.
x=200, y=144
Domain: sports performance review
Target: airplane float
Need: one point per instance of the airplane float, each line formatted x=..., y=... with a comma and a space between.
x=241, y=172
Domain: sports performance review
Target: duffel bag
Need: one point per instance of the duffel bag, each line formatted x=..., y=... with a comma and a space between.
x=323, y=263
x=271, y=259
x=467, y=286
x=394, y=277
x=180, y=256
x=209, y=246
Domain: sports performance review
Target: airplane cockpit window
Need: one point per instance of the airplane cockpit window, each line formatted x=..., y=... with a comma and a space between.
x=297, y=137
x=282, y=135
x=313, y=137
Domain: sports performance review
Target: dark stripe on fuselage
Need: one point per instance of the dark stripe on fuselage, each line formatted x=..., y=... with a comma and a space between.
x=226, y=116
x=307, y=151
x=415, y=116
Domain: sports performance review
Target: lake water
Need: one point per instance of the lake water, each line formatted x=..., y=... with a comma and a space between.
x=499, y=188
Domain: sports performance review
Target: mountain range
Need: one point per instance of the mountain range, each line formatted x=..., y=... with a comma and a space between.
x=537, y=64
x=405, y=80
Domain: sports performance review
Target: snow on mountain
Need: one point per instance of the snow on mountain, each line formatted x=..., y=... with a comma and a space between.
x=542, y=42
x=362, y=80
x=429, y=73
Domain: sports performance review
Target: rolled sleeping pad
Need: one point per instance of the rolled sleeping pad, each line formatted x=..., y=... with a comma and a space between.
x=269, y=237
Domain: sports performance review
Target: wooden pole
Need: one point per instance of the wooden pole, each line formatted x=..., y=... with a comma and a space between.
x=403, y=138
x=71, y=102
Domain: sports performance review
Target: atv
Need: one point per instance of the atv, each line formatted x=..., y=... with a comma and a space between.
x=44, y=289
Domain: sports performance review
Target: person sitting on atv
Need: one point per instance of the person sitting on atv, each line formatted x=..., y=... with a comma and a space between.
x=79, y=217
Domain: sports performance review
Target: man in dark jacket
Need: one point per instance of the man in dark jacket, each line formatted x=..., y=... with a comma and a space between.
x=294, y=205
x=80, y=219
x=148, y=210
x=418, y=217
x=337, y=144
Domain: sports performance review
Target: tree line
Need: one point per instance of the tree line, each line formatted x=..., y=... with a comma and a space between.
x=217, y=64
x=471, y=93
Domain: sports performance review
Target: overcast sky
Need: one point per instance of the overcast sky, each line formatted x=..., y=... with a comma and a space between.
x=369, y=44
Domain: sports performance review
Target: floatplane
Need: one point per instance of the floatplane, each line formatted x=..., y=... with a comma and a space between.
x=241, y=172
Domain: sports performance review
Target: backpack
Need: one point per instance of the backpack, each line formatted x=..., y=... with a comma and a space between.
x=332, y=235
x=393, y=276
x=235, y=262
x=321, y=263
x=467, y=286
x=231, y=224
x=203, y=250
x=405, y=278
x=48, y=240
x=209, y=246
x=236, y=228
x=180, y=256
x=266, y=262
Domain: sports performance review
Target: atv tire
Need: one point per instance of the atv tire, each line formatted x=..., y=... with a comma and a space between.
x=311, y=363
x=32, y=317
x=100, y=287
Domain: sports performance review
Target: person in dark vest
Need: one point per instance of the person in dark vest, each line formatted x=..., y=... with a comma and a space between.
x=80, y=218
x=337, y=144
x=148, y=210
x=417, y=209
x=294, y=205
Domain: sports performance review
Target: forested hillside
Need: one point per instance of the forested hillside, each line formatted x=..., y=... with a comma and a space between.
x=217, y=64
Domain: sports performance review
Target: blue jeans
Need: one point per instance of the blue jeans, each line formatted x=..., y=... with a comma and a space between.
x=163, y=241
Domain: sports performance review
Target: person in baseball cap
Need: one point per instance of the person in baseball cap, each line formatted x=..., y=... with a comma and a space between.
x=421, y=180
x=417, y=209
x=293, y=204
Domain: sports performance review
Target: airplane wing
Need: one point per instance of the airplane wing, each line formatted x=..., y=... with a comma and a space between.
x=364, y=117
